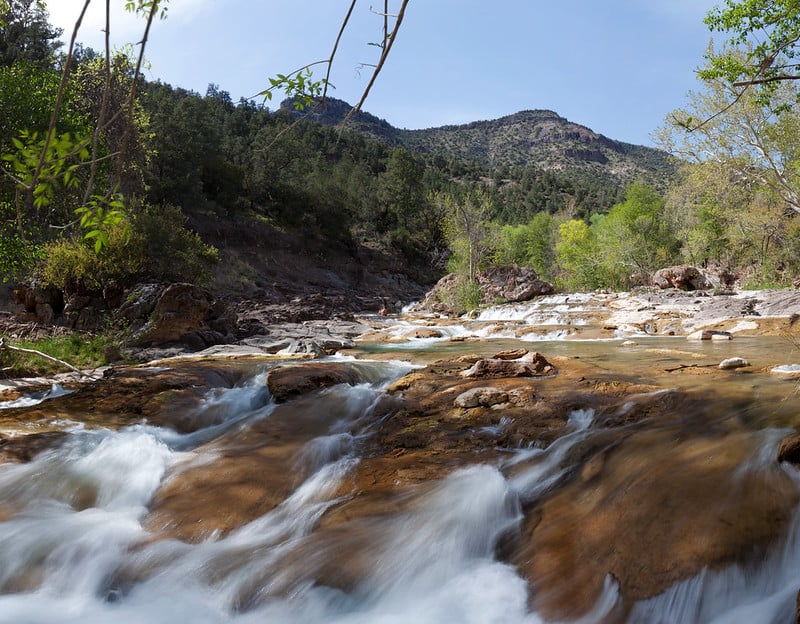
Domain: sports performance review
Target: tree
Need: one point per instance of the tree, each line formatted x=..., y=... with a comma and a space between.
x=531, y=244
x=633, y=238
x=468, y=231
x=755, y=138
x=769, y=31
x=577, y=256
x=26, y=35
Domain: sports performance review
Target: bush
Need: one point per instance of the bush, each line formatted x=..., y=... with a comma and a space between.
x=153, y=244
x=468, y=296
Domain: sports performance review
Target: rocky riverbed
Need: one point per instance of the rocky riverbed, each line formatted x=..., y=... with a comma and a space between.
x=632, y=462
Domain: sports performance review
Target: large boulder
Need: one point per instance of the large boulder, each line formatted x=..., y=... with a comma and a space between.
x=532, y=364
x=511, y=283
x=682, y=277
x=180, y=313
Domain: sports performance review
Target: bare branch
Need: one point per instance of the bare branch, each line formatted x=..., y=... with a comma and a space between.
x=767, y=80
x=59, y=97
x=384, y=55
x=103, y=107
x=9, y=347
x=132, y=95
x=335, y=47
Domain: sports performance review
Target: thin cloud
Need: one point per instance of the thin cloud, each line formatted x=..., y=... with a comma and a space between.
x=125, y=27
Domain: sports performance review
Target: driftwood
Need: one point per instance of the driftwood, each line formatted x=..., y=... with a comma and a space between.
x=683, y=366
x=9, y=347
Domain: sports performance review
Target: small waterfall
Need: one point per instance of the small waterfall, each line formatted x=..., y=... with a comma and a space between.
x=56, y=390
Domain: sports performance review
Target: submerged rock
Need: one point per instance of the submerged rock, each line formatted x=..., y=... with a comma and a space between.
x=733, y=363
x=789, y=450
x=786, y=370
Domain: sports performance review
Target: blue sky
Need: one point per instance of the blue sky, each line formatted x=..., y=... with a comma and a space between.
x=616, y=66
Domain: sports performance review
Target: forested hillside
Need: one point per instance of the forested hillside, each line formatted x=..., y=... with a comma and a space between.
x=128, y=184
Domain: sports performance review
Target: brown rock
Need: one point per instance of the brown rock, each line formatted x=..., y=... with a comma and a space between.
x=682, y=277
x=510, y=354
x=179, y=313
x=482, y=396
x=789, y=450
x=511, y=283
x=709, y=334
x=533, y=364
x=289, y=382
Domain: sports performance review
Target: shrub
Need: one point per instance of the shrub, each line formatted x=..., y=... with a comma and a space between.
x=153, y=244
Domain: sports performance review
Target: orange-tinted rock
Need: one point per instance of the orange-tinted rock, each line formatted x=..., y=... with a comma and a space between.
x=531, y=364
x=291, y=381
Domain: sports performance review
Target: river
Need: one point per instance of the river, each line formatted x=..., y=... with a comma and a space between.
x=86, y=535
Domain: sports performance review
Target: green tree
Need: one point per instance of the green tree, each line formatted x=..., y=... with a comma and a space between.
x=633, y=238
x=400, y=190
x=531, y=244
x=26, y=35
x=468, y=231
x=577, y=256
x=768, y=31
x=757, y=139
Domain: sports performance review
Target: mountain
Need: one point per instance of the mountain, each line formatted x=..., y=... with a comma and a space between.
x=539, y=138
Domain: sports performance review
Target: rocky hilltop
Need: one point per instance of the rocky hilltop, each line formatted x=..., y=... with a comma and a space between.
x=532, y=137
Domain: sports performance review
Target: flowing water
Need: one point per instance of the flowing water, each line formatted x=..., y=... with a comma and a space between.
x=76, y=544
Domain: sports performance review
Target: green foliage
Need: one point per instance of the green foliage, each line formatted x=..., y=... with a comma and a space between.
x=577, y=256
x=467, y=296
x=462, y=296
x=154, y=244
x=299, y=87
x=144, y=7
x=633, y=238
x=531, y=244
x=170, y=250
x=82, y=351
x=468, y=230
x=40, y=166
x=767, y=31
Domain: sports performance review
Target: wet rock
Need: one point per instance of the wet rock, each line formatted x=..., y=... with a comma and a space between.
x=710, y=334
x=657, y=509
x=733, y=363
x=484, y=396
x=682, y=277
x=424, y=332
x=310, y=337
x=789, y=449
x=786, y=370
x=510, y=354
x=532, y=364
x=289, y=382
